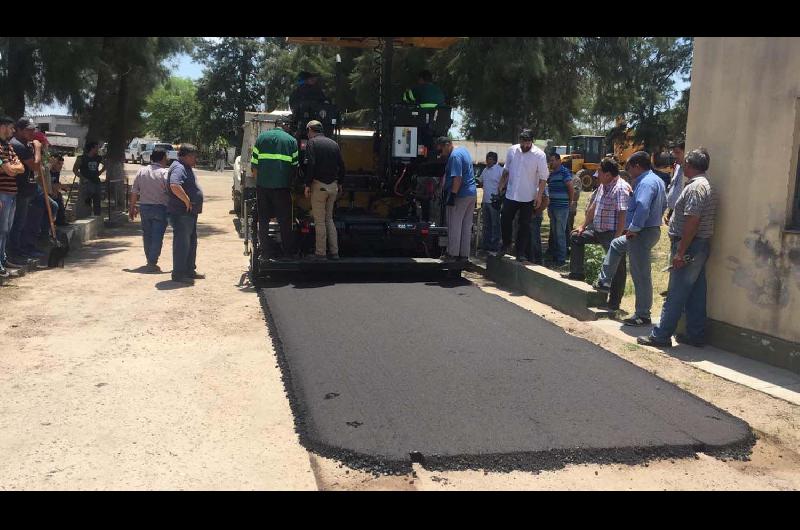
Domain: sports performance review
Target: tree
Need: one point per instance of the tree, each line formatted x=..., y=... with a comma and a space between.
x=173, y=111
x=634, y=77
x=506, y=84
x=232, y=82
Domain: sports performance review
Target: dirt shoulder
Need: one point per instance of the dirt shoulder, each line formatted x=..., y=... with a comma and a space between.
x=114, y=379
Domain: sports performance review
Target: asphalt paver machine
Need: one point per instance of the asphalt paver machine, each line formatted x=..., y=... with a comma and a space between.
x=390, y=214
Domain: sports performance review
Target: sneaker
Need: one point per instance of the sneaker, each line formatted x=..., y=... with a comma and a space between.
x=183, y=279
x=691, y=341
x=651, y=341
x=636, y=321
x=598, y=286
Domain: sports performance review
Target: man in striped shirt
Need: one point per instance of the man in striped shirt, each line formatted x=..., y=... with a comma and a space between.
x=562, y=191
x=10, y=167
x=690, y=230
x=604, y=221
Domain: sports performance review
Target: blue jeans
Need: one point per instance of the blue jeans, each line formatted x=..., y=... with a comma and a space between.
x=536, y=238
x=558, y=227
x=686, y=292
x=154, y=224
x=491, y=227
x=184, y=243
x=15, y=237
x=9, y=205
x=638, y=250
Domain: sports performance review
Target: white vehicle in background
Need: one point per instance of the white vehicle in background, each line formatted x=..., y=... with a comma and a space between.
x=561, y=150
x=134, y=151
x=149, y=147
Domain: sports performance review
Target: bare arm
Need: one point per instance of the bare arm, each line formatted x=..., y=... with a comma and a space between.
x=456, y=185
x=620, y=223
x=588, y=218
x=501, y=186
x=177, y=189
x=689, y=232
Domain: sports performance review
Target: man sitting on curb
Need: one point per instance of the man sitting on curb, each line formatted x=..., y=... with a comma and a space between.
x=690, y=230
x=605, y=220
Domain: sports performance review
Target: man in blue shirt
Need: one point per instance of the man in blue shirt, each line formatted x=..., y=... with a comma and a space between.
x=642, y=232
x=184, y=205
x=461, y=194
x=561, y=190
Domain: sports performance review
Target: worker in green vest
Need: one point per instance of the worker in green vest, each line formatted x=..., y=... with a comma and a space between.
x=274, y=164
x=425, y=94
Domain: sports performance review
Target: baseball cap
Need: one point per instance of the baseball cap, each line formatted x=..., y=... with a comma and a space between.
x=314, y=125
x=25, y=123
x=39, y=135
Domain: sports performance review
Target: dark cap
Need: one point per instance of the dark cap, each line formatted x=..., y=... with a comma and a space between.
x=442, y=140
x=526, y=134
x=5, y=120
x=315, y=126
x=25, y=123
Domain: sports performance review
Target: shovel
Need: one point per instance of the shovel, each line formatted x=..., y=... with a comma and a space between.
x=59, y=246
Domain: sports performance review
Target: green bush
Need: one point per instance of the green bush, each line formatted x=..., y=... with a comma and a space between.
x=593, y=260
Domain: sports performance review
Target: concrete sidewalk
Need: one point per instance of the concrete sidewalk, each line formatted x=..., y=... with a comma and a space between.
x=776, y=382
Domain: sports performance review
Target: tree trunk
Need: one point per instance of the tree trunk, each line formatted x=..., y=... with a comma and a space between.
x=20, y=60
x=115, y=158
x=97, y=122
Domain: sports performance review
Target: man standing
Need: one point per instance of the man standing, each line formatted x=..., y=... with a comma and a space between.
x=273, y=165
x=642, y=231
x=19, y=244
x=184, y=205
x=561, y=190
x=56, y=165
x=523, y=181
x=676, y=186
x=459, y=188
x=149, y=197
x=604, y=221
x=324, y=176
x=308, y=93
x=220, y=159
x=10, y=167
x=425, y=94
x=536, y=228
x=490, y=207
x=690, y=231
x=87, y=167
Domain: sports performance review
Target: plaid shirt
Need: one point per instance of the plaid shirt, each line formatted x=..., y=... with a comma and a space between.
x=8, y=184
x=610, y=199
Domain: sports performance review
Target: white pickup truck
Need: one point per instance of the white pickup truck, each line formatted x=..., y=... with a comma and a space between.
x=172, y=154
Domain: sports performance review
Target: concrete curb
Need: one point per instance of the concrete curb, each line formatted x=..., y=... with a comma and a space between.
x=575, y=298
x=78, y=233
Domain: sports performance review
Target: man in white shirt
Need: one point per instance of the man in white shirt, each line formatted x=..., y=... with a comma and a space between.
x=490, y=207
x=523, y=181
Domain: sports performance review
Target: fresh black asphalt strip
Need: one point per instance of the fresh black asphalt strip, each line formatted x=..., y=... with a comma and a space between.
x=385, y=373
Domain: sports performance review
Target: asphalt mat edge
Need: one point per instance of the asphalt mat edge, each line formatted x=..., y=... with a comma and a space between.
x=499, y=462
